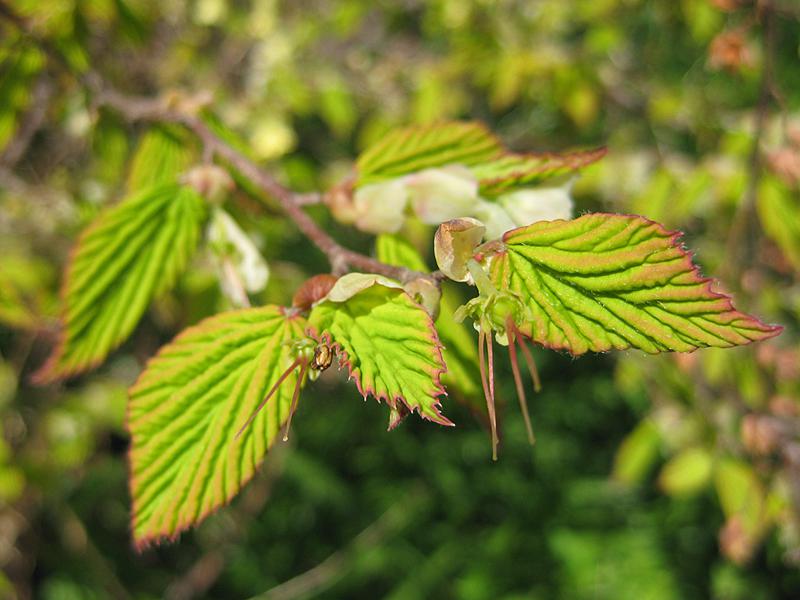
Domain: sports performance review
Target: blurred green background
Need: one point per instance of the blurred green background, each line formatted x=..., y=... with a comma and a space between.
x=675, y=476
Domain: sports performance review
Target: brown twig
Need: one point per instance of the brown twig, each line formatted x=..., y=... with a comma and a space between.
x=174, y=109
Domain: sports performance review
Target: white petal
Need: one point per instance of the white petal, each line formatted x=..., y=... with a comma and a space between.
x=439, y=195
x=234, y=245
x=496, y=219
x=379, y=207
x=530, y=205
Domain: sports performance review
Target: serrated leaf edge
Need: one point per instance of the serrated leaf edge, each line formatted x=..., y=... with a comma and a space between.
x=573, y=160
x=144, y=543
x=436, y=375
x=673, y=238
x=49, y=372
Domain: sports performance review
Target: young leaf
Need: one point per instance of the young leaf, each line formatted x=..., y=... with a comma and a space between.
x=397, y=251
x=460, y=354
x=187, y=406
x=417, y=148
x=163, y=153
x=131, y=253
x=515, y=170
x=390, y=346
x=605, y=282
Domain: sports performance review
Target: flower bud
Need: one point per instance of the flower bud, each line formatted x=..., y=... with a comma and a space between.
x=454, y=245
x=313, y=290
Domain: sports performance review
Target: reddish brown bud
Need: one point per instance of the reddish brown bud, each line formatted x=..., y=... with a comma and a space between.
x=313, y=290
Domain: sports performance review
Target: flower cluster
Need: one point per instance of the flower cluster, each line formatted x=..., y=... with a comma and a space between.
x=441, y=194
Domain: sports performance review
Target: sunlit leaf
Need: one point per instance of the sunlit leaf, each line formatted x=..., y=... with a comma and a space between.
x=389, y=345
x=460, y=353
x=129, y=254
x=416, y=148
x=514, y=170
x=162, y=155
x=605, y=282
x=187, y=407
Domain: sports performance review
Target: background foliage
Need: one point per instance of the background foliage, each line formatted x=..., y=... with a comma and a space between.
x=669, y=476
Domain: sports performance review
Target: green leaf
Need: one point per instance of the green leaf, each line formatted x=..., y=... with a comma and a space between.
x=416, y=148
x=460, y=347
x=686, y=473
x=605, y=282
x=396, y=251
x=163, y=154
x=637, y=453
x=778, y=207
x=741, y=493
x=390, y=347
x=187, y=407
x=516, y=170
x=128, y=255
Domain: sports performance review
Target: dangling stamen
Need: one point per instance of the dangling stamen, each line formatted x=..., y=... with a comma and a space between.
x=295, y=397
x=523, y=403
x=484, y=339
x=272, y=391
x=537, y=383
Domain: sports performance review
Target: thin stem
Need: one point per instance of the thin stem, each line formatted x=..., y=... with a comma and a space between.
x=488, y=388
x=523, y=403
x=295, y=398
x=269, y=395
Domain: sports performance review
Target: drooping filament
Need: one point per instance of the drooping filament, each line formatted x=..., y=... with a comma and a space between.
x=485, y=340
x=537, y=383
x=295, y=397
x=513, y=338
x=300, y=361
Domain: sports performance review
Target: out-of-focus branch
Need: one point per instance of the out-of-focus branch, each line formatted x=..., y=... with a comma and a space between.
x=174, y=109
x=741, y=238
x=334, y=567
x=205, y=571
x=31, y=123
